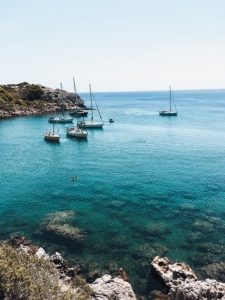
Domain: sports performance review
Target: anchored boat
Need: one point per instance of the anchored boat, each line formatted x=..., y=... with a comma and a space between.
x=169, y=112
x=63, y=118
x=78, y=112
x=76, y=131
x=52, y=135
x=91, y=123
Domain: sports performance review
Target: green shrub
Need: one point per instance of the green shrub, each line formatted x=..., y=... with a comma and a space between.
x=32, y=92
x=83, y=290
x=24, y=276
x=5, y=96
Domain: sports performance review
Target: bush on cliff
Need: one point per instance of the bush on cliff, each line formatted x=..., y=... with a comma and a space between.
x=24, y=276
x=32, y=92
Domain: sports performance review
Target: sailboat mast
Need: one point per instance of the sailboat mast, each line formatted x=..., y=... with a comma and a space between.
x=170, y=98
x=75, y=90
x=91, y=103
x=62, y=98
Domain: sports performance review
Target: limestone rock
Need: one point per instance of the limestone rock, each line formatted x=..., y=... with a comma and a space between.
x=107, y=287
x=172, y=273
x=182, y=282
x=42, y=254
x=57, y=258
x=198, y=290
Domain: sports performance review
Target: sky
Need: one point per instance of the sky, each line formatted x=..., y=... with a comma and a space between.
x=116, y=45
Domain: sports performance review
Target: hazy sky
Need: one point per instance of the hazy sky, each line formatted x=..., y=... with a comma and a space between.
x=117, y=45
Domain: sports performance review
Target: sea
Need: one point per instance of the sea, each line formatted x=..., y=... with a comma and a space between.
x=142, y=186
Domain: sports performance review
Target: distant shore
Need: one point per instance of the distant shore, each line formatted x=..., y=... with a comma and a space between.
x=26, y=99
x=47, y=109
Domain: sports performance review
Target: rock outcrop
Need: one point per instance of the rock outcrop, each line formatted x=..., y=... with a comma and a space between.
x=68, y=277
x=107, y=287
x=182, y=283
x=26, y=99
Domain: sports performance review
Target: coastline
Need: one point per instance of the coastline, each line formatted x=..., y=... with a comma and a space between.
x=26, y=99
x=35, y=111
x=179, y=281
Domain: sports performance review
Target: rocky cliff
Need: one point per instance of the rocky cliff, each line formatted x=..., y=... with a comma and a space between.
x=32, y=99
x=182, y=282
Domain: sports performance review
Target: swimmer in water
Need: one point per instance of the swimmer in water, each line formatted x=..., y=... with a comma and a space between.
x=74, y=178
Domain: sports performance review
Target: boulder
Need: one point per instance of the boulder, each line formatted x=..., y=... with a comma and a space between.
x=182, y=282
x=171, y=273
x=107, y=287
x=57, y=258
x=198, y=290
x=42, y=254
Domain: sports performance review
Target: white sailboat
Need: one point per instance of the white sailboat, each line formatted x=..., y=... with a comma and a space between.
x=91, y=123
x=61, y=119
x=78, y=112
x=170, y=112
x=52, y=135
x=76, y=131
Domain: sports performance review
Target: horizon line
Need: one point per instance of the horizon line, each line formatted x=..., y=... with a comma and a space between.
x=164, y=90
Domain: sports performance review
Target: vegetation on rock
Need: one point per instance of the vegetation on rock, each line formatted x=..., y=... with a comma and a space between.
x=24, y=276
x=32, y=92
x=31, y=99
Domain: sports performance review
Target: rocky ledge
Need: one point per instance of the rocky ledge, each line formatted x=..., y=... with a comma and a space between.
x=63, y=278
x=26, y=99
x=182, y=283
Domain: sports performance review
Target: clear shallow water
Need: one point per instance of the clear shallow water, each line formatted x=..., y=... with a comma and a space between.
x=146, y=184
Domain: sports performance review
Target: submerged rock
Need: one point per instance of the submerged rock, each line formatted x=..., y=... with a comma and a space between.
x=182, y=282
x=59, y=224
x=107, y=287
x=148, y=251
x=66, y=231
x=213, y=271
x=60, y=216
x=118, y=242
x=203, y=226
x=154, y=229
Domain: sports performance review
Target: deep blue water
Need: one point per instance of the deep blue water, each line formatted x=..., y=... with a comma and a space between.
x=146, y=185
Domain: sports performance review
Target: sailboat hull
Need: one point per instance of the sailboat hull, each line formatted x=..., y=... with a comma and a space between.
x=166, y=113
x=90, y=124
x=79, y=113
x=60, y=120
x=51, y=137
x=77, y=133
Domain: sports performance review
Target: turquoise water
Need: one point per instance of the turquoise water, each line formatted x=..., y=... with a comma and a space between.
x=146, y=185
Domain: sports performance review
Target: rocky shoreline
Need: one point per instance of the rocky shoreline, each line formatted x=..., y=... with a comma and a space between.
x=26, y=99
x=178, y=280
x=69, y=277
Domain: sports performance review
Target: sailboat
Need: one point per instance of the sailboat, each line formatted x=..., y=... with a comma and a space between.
x=91, y=123
x=52, y=135
x=76, y=131
x=62, y=119
x=77, y=112
x=170, y=112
